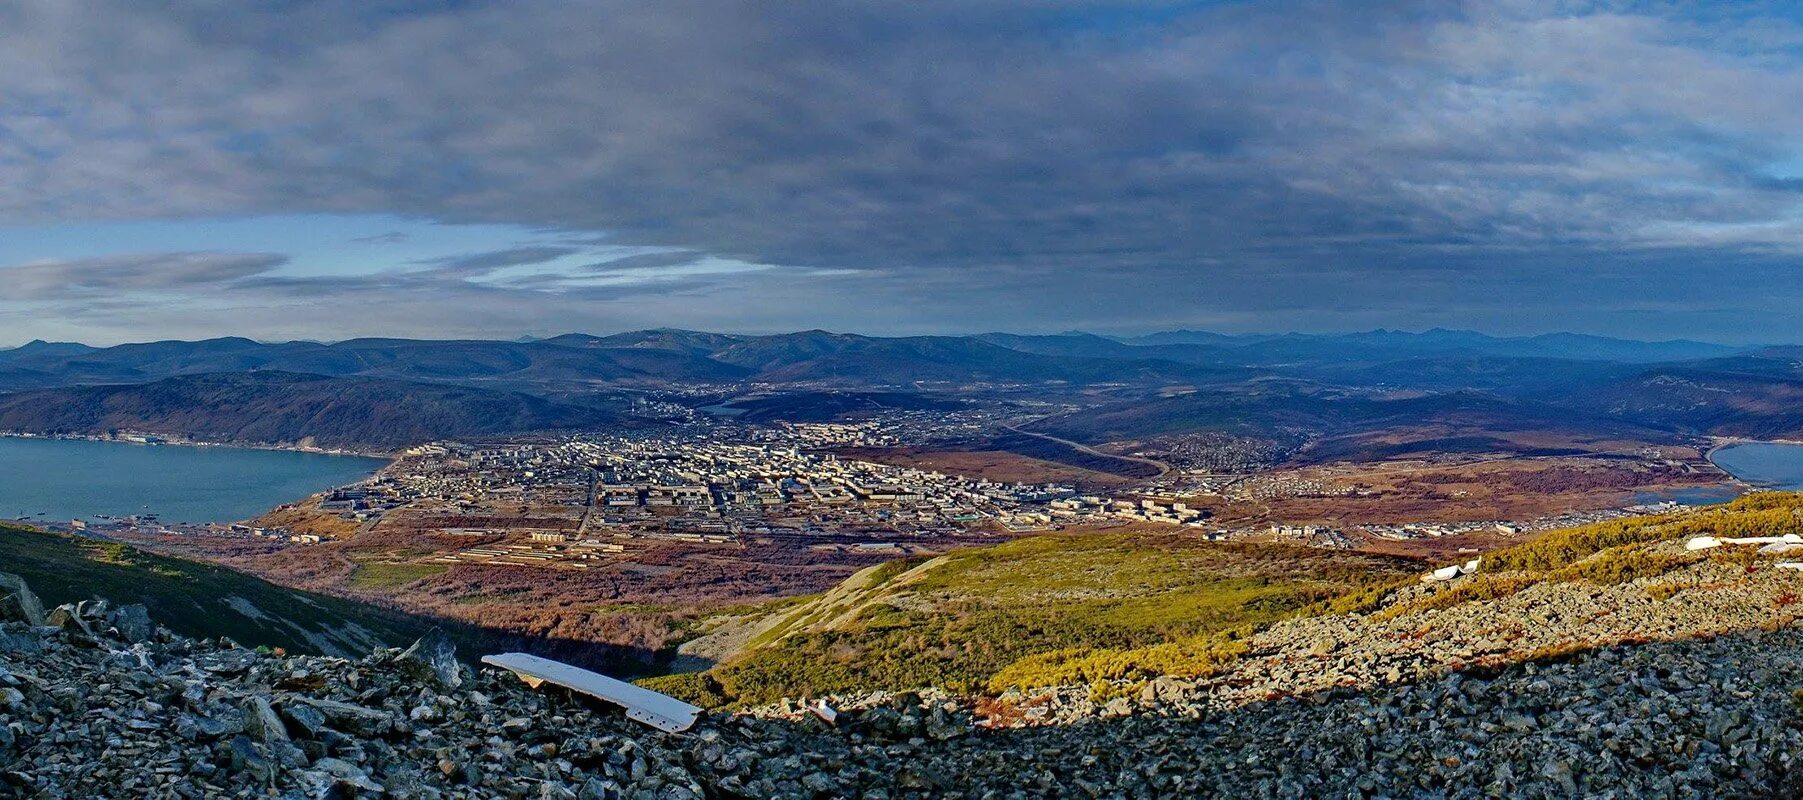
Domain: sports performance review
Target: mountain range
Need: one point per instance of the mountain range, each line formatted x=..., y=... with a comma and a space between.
x=389, y=392
x=665, y=356
x=285, y=408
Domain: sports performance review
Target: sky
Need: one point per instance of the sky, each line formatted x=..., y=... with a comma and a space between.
x=332, y=169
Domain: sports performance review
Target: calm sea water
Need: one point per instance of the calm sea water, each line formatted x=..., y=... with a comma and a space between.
x=1777, y=466
x=67, y=479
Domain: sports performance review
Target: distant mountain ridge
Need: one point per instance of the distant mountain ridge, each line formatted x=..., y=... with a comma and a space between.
x=637, y=358
x=673, y=355
x=269, y=407
x=1124, y=384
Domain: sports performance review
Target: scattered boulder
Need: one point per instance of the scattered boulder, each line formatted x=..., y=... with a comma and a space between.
x=307, y=720
x=433, y=659
x=17, y=603
x=68, y=616
x=260, y=721
x=132, y=623
x=353, y=718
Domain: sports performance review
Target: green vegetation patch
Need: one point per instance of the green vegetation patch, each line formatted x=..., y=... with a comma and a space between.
x=1604, y=553
x=1097, y=609
x=381, y=575
x=1190, y=657
x=1624, y=564
x=1048, y=609
x=1760, y=514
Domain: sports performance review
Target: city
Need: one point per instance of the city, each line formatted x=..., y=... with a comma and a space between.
x=728, y=400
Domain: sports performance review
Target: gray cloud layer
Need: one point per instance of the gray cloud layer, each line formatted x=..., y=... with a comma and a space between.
x=979, y=164
x=160, y=273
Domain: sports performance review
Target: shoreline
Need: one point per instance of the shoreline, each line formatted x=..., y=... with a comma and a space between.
x=1719, y=443
x=186, y=442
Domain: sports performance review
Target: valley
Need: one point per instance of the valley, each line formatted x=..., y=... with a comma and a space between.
x=641, y=500
x=1000, y=544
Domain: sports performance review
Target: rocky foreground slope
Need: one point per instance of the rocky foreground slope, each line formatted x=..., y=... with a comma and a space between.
x=1517, y=695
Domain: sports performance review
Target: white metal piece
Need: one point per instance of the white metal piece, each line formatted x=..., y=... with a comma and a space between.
x=1796, y=565
x=1784, y=539
x=1454, y=571
x=825, y=712
x=1441, y=574
x=656, y=709
x=1706, y=542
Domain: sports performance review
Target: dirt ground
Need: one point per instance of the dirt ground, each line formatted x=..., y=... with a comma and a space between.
x=1479, y=490
x=646, y=599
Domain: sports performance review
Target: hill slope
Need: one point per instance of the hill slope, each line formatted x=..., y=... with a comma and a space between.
x=197, y=599
x=278, y=407
x=965, y=620
x=1349, y=425
x=1074, y=610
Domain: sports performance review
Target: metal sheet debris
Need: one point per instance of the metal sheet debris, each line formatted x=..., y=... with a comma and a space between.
x=658, y=710
x=1707, y=542
x=1454, y=571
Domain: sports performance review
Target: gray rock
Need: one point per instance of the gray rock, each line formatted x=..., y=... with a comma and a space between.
x=260, y=721
x=20, y=643
x=249, y=759
x=433, y=659
x=307, y=720
x=17, y=603
x=68, y=617
x=132, y=623
x=353, y=718
x=347, y=774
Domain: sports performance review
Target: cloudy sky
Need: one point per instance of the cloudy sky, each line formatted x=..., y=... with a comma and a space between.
x=332, y=169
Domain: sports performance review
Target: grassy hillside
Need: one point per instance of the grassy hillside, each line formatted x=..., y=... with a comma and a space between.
x=1110, y=611
x=197, y=599
x=1603, y=553
x=980, y=619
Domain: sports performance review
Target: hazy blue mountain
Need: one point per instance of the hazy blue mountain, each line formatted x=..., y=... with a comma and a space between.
x=280, y=407
x=1381, y=343
x=1434, y=359
x=39, y=347
x=821, y=356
